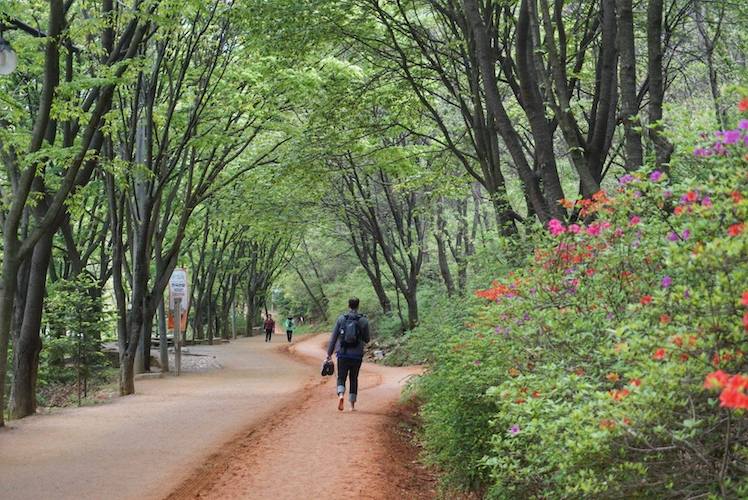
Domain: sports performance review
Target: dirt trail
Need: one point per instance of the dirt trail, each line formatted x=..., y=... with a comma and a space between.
x=310, y=450
x=142, y=446
x=268, y=418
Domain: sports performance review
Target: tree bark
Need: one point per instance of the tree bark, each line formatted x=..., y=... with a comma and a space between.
x=662, y=147
x=28, y=343
x=627, y=81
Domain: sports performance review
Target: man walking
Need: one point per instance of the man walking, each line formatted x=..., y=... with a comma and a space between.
x=350, y=334
x=269, y=327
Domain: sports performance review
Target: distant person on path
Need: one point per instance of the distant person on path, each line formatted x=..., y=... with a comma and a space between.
x=288, y=324
x=269, y=327
x=350, y=334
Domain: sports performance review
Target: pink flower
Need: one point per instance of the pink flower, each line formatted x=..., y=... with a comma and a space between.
x=556, y=227
x=574, y=228
x=634, y=220
x=594, y=229
x=743, y=124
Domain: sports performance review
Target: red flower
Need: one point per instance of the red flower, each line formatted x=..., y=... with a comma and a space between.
x=735, y=229
x=732, y=398
x=715, y=359
x=745, y=321
x=692, y=196
x=716, y=380
x=736, y=196
x=744, y=299
x=659, y=354
x=677, y=340
x=733, y=395
x=636, y=382
x=743, y=105
x=647, y=299
x=536, y=394
x=683, y=357
x=664, y=319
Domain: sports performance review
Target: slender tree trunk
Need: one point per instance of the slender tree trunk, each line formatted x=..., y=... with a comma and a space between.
x=663, y=148
x=163, y=346
x=627, y=80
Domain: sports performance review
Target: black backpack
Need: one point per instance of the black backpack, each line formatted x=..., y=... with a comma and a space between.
x=350, y=331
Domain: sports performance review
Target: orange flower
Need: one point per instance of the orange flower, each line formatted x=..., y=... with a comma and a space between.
x=692, y=341
x=636, y=382
x=513, y=372
x=715, y=359
x=626, y=421
x=619, y=394
x=536, y=394
x=683, y=357
x=664, y=319
x=613, y=377
x=659, y=354
x=677, y=340
x=607, y=424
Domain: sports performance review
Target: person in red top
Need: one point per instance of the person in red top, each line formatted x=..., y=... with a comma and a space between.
x=269, y=327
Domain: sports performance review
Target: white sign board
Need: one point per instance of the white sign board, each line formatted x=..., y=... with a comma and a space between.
x=179, y=288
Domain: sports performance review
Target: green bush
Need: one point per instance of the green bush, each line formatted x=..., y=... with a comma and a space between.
x=583, y=374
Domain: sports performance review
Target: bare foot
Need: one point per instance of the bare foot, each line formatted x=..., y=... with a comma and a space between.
x=341, y=402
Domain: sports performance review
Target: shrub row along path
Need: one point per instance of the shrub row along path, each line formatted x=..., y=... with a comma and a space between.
x=264, y=426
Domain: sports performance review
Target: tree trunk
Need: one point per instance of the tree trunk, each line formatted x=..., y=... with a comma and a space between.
x=163, y=345
x=663, y=148
x=28, y=343
x=627, y=81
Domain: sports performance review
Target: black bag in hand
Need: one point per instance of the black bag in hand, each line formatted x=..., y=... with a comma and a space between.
x=328, y=368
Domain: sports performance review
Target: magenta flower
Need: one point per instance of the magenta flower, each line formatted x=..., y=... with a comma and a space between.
x=685, y=234
x=731, y=137
x=743, y=124
x=477, y=362
x=672, y=236
x=655, y=176
x=556, y=227
x=514, y=430
x=626, y=179
x=574, y=228
x=594, y=229
x=634, y=220
x=666, y=281
x=706, y=202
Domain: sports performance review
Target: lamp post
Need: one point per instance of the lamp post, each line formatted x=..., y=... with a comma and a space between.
x=8, y=58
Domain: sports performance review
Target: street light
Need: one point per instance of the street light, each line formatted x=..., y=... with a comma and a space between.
x=8, y=59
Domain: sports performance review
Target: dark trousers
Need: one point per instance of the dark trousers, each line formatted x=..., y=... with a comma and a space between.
x=268, y=335
x=348, y=368
x=289, y=334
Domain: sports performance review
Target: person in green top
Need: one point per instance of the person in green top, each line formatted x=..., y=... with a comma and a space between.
x=289, y=327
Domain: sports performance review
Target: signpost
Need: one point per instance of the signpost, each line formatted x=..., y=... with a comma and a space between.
x=179, y=296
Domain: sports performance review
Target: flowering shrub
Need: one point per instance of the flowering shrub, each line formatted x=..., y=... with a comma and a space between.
x=613, y=363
